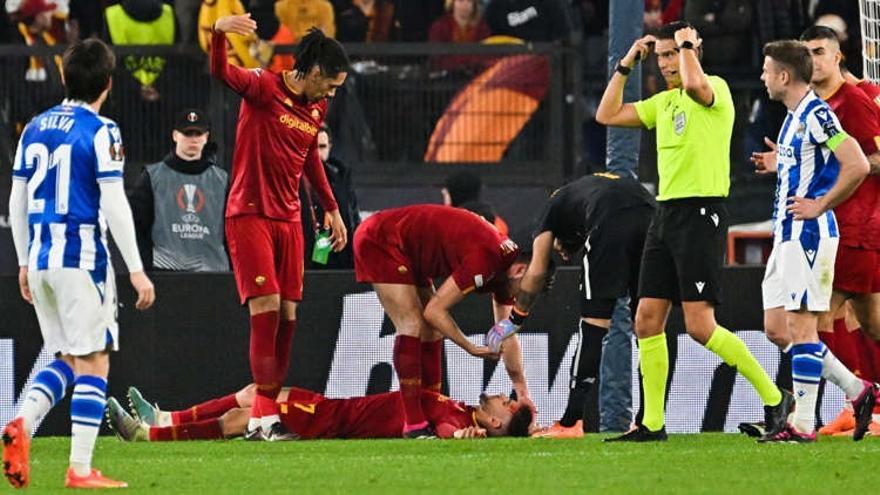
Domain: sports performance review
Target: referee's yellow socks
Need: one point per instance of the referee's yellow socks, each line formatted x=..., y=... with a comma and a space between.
x=654, y=363
x=734, y=352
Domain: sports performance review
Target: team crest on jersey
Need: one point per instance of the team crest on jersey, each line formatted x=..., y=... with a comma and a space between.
x=801, y=131
x=117, y=152
x=678, y=122
x=288, y=102
x=316, y=114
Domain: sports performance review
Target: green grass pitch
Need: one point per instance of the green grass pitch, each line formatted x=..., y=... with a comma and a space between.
x=707, y=463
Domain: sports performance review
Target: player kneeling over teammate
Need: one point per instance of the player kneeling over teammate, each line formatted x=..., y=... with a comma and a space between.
x=607, y=216
x=66, y=190
x=400, y=251
x=313, y=416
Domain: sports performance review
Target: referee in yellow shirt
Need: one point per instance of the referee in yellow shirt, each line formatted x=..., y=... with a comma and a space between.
x=685, y=245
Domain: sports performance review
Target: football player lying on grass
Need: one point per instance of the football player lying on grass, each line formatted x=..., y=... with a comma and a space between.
x=311, y=416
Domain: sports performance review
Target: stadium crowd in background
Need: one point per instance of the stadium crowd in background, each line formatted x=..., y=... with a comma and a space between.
x=185, y=216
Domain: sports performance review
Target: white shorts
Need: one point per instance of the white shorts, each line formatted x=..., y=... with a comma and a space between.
x=77, y=315
x=798, y=277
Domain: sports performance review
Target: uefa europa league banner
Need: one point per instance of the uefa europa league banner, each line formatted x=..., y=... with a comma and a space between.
x=193, y=345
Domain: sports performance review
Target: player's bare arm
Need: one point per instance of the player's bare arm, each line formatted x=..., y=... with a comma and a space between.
x=874, y=163
x=853, y=170
x=238, y=24
x=535, y=278
x=693, y=79
x=612, y=110
x=437, y=315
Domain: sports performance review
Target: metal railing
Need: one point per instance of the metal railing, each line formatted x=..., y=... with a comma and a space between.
x=409, y=113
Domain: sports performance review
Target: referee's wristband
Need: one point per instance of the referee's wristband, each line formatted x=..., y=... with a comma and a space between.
x=517, y=317
x=622, y=69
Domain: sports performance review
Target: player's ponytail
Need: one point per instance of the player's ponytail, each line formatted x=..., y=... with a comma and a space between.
x=317, y=49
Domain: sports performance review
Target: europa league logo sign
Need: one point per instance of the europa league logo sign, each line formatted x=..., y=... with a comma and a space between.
x=190, y=192
x=190, y=199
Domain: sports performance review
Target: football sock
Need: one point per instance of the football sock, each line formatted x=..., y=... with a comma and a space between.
x=835, y=372
x=283, y=341
x=407, y=364
x=734, y=352
x=208, y=429
x=873, y=349
x=847, y=347
x=806, y=372
x=654, y=364
x=86, y=412
x=432, y=365
x=264, y=364
x=584, y=371
x=48, y=389
x=213, y=408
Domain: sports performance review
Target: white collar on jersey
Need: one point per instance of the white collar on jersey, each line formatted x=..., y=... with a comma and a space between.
x=78, y=103
x=808, y=97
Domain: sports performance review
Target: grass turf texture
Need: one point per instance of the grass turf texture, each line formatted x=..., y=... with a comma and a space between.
x=708, y=463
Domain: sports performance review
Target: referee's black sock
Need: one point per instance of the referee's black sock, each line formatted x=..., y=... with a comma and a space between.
x=584, y=371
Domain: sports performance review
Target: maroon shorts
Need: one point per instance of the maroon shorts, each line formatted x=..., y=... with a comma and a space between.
x=857, y=270
x=378, y=258
x=267, y=257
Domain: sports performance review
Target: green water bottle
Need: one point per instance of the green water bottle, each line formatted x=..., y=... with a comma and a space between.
x=321, y=250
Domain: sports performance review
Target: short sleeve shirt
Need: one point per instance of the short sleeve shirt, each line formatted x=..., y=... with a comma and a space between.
x=693, y=141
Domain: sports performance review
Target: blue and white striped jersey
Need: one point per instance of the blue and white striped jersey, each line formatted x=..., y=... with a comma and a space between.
x=807, y=168
x=63, y=154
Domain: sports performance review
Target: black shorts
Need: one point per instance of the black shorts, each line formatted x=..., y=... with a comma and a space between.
x=685, y=250
x=612, y=256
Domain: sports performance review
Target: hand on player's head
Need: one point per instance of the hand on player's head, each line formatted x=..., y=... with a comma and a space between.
x=238, y=24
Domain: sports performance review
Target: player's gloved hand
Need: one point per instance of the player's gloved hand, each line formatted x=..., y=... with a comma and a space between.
x=144, y=288
x=500, y=331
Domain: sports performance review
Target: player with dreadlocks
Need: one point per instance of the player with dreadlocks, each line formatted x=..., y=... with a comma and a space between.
x=276, y=142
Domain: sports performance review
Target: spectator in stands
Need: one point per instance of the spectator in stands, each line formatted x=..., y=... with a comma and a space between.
x=85, y=20
x=727, y=27
x=850, y=45
x=40, y=23
x=415, y=17
x=365, y=20
x=339, y=177
x=528, y=20
x=142, y=22
x=461, y=24
x=301, y=15
x=463, y=190
x=187, y=14
x=178, y=203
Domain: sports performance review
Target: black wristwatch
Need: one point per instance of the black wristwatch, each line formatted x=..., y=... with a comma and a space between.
x=687, y=45
x=622, y=69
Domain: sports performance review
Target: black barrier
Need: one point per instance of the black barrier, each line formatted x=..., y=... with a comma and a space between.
x=193, y=345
